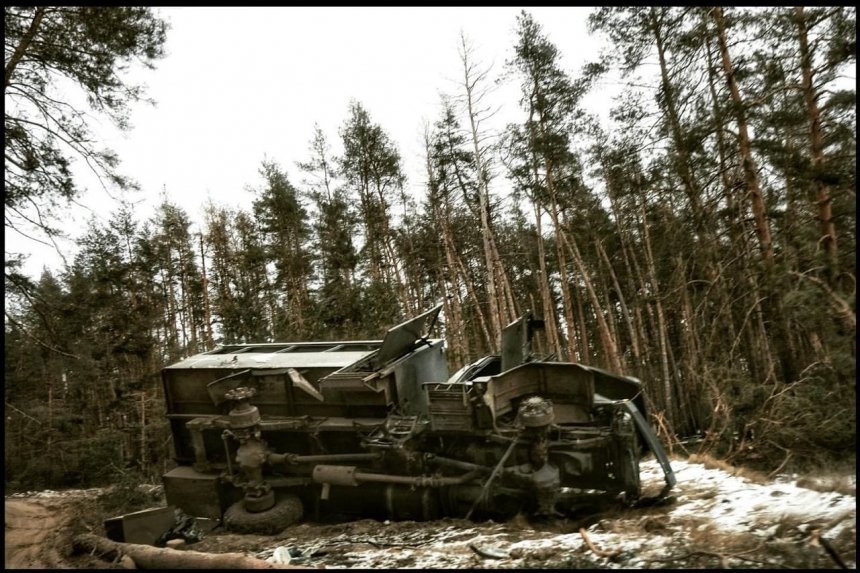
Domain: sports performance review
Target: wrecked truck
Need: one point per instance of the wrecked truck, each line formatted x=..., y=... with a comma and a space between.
x=268, y=434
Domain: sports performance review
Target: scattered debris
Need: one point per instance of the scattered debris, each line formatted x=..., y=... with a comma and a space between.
x=155, y=492
x=184, y=527
x=282, y=555
x=594, y=549
x=489, y=551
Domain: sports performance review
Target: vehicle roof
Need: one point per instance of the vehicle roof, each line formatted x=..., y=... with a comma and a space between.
x=282, y=355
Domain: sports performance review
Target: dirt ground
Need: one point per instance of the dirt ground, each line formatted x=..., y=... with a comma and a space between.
x=717, y=520
x=39, y=533
x=32, y=531
x=40, y=529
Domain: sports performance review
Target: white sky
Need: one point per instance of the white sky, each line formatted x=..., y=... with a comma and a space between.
x=241, y=84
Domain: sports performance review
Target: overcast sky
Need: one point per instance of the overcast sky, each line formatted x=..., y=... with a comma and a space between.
x=241, y=84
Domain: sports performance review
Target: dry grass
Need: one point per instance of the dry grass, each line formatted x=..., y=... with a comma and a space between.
x=845, y=542
x=839, y=476
x=842, y=484
x=705, y=545
x=741, y=472
x=519, y=522
x=709, y=537
x=786, y=526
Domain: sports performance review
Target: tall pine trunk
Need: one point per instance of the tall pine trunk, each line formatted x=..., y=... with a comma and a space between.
x=499, y=314
x=772, y=301
x=822, y=193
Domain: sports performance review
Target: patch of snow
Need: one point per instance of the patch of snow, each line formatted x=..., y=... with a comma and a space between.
x=739, y=504
x=48, y=493
x=706, y=499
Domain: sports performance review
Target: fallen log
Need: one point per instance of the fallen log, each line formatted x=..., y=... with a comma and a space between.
x=148, y=557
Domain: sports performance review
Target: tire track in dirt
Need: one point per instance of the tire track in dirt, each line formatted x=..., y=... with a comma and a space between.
x=32, y=534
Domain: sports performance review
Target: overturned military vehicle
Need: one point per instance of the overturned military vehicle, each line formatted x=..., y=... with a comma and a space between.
x=265, y=434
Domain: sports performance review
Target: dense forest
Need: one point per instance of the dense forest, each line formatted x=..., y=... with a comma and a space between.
x=704, y=243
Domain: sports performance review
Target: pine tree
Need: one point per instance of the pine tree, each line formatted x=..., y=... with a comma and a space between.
x=84, y=47
x=336, y=259
x=371, y=168
x=284, y=229
x=474, y=91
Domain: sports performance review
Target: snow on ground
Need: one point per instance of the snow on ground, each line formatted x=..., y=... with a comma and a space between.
x=740, y=506
x=717, y=519
x=49, y=493
x=714, y=512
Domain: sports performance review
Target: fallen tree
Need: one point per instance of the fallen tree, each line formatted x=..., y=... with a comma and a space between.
x=148, y=557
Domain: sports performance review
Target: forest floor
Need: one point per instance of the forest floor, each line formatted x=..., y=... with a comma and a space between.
x=721, y=518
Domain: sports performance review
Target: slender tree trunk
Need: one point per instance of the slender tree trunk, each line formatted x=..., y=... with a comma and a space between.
x=637, y=284
x=470, y=289
x=187, y=310
x=822, y=193
x=541, y=342
x=633, y=272
x=413, y=282
x=457, y=322
x=453, y=270
x=143, y=463
x=681, y=157
x=455, y=327
x=584, y=344
x=457, y=354
x=728, y=187
x=495, y=271
x=611, y=320
x=698, y=371
x=392, y=261
x=494, y=319
x=497, y=318
x=207, y=313
x=609, y=347
x=514, y=310
x=269, y=301
x=773, y=309
x=26, y=40
x=370, y=238
x=543, y=282
x=791, y=217
x=50, y=419
x=661, y=321
x=762, y=227
x=737, y=247
x=569, y=321
x=562, y=263
x=759, y=331
x=693, y=364
x=625, y=313
x=170, y=319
